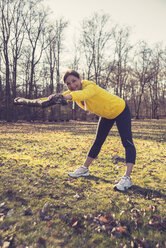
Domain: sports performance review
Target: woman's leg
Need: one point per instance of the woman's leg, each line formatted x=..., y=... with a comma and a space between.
x=103, y=129
x=123, y=122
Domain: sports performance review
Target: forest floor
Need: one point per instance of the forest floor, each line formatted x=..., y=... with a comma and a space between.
x=41, y=206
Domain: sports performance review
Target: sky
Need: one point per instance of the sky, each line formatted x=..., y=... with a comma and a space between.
x=147, y=18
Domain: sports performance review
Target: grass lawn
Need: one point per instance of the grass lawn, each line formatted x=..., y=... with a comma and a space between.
x=40, y=206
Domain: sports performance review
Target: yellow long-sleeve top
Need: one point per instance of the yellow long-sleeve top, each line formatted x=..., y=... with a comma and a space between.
x=97, y=100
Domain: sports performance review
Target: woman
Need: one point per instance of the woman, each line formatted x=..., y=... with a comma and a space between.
x=111, y=109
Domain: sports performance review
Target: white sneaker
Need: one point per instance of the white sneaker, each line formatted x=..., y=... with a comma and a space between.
x=124, y=184
x=80, y=172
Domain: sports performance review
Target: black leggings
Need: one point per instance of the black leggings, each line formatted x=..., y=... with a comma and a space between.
x=123, y=122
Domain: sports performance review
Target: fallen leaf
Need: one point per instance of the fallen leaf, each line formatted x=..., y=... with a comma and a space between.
x=103, y=219
x=88, y=217
x=10, y=213
x=45, y=208
x=2, y=204
x=74, y=220
x=119, y=231
x=154, y=221
x=122, y=229
x=49, y=223
x=148, y=208
x=6, y=244
x=77, y=196
x=151, y=208
x=75, y=223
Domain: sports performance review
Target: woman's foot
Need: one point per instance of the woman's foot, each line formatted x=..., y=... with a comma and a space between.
x=80, y=172
x=124, y=184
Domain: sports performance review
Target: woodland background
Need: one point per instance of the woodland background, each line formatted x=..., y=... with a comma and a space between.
x=35, y=52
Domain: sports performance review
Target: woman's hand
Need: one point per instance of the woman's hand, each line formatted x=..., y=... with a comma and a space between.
x=67, y=97
x=60, y=97
x=53, y=96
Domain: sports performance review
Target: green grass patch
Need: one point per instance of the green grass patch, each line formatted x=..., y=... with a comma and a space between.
x=40, y=206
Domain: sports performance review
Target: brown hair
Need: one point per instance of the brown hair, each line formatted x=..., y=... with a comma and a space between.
x=69, y=73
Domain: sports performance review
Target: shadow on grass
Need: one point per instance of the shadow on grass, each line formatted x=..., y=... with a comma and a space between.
x=146, y=193
x=81, y=128
x=97, y=179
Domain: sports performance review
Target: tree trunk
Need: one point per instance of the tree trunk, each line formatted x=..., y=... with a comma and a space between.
x=7, y=93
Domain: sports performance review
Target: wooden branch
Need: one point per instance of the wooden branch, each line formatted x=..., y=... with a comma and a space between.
x=57, y=99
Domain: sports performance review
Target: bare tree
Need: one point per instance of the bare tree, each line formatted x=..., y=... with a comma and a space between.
x=95, y=37
x=60, y=26
x=6, y=16
x=120, y=72
x=75, y=60
x=17, y=40
x=156, y=81
x=51, y=57
x=143, y=72
x=55, y=37
x=1, y=86
x=35, y=24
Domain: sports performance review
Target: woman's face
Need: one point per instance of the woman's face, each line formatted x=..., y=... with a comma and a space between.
x=73, y=83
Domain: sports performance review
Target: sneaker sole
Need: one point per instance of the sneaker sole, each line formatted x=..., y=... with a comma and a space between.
x=120, y=190
x=83, y=175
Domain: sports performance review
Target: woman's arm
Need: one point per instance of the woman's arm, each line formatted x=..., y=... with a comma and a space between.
x=86, y=93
